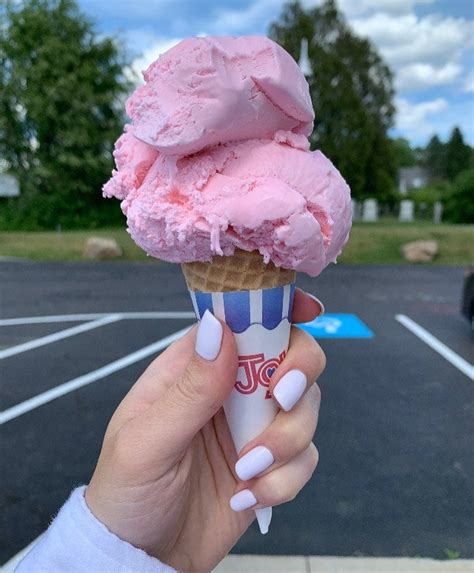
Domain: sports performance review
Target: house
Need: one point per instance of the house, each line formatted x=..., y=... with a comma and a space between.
x=412, y=178
x=8, y=186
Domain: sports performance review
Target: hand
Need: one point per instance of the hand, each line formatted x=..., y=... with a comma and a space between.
x=167, y=471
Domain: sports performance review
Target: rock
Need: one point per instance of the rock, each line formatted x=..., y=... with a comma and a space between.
x=420, y=251
x=101, y=248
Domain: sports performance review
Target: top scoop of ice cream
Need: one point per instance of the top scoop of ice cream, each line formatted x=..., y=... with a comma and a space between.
x=205, y=91
x=217, y=158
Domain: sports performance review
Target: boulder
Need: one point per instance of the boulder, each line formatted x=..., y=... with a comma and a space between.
x=420, y=251
x=101, y=248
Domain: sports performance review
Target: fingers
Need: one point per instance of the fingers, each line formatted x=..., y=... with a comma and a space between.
x=197, y=393
x=306, y=307
x=289, y=435
x=303, y=364
x=279, y=486
x=291, y=432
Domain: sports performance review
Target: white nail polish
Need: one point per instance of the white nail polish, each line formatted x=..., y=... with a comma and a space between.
x=316, y=299
x=290, y=389
x=264, y=518
x=254, y=462
x=209, y=337
x=242, y=500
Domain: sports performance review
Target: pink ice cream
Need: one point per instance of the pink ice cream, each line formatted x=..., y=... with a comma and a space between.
x=206, y=91
x=217, y=158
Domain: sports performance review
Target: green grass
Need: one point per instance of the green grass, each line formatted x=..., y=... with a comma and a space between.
x=452, y=554
x=64, y=246
x=381, y=242
x=369, y=243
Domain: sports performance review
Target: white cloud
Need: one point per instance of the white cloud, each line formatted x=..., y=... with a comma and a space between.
x=351, y=7
x=419, y=76
x=358, y=7
x=413, y=118
x=408, y=38
x=424, y=52
x=149, y=55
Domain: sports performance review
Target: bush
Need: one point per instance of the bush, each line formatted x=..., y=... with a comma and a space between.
x=35, y=212
x=459, y=199
x=425, y=198
x=428, y=195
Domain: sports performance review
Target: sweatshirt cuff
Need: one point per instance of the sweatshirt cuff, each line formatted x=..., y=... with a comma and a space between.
x=76, y=542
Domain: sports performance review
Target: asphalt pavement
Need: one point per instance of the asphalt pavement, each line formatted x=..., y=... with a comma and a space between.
x=395, y=436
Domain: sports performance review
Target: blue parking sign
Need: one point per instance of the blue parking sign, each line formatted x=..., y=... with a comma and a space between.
x=337, y=326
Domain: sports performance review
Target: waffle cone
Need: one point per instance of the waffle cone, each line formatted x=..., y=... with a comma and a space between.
x=241, y=271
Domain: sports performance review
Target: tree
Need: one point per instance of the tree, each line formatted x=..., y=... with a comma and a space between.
x=352, y=94
x=404, y=155
x=458, y=154
x=59, y=87
x=460, y=199
x=435, y=158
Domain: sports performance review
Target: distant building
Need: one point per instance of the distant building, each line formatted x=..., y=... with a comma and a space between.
x=412, y=178
x=8, y=186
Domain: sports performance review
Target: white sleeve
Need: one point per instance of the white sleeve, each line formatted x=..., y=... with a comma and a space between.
x=76, y=542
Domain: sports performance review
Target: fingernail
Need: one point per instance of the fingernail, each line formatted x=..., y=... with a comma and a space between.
x=290, y=389
x=242, y=500
x=209, y=337
x=253, y=463
x=321, y=305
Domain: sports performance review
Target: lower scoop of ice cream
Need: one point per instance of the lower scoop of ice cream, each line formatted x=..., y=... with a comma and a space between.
x=291, y=205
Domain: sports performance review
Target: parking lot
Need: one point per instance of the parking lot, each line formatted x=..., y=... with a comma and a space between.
x=395, y=434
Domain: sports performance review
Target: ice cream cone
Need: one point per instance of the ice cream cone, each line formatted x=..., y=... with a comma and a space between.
x=255, y=299
x=187, y=185
x=239, y=272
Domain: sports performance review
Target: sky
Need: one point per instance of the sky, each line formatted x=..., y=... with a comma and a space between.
x=429, y=45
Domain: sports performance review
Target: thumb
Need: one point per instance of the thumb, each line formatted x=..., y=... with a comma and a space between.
x=199, y=392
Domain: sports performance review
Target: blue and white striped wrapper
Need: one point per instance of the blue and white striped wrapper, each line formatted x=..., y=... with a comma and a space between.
x=241, y=309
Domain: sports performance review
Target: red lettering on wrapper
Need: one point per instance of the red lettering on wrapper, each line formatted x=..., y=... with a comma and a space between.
x=257, y=370
x=249, y=364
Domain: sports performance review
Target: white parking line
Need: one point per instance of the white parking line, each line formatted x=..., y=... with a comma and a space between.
x=51, y=318
x=62, y=389
x=163, y=315
x=437, y=345
x=50, y=338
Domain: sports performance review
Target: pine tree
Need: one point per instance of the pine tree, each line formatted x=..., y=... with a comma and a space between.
x=352, y=94
x=435, y=158
x=458, y=154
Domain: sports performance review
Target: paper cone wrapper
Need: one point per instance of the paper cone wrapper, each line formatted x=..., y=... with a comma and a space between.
x=260, y=319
